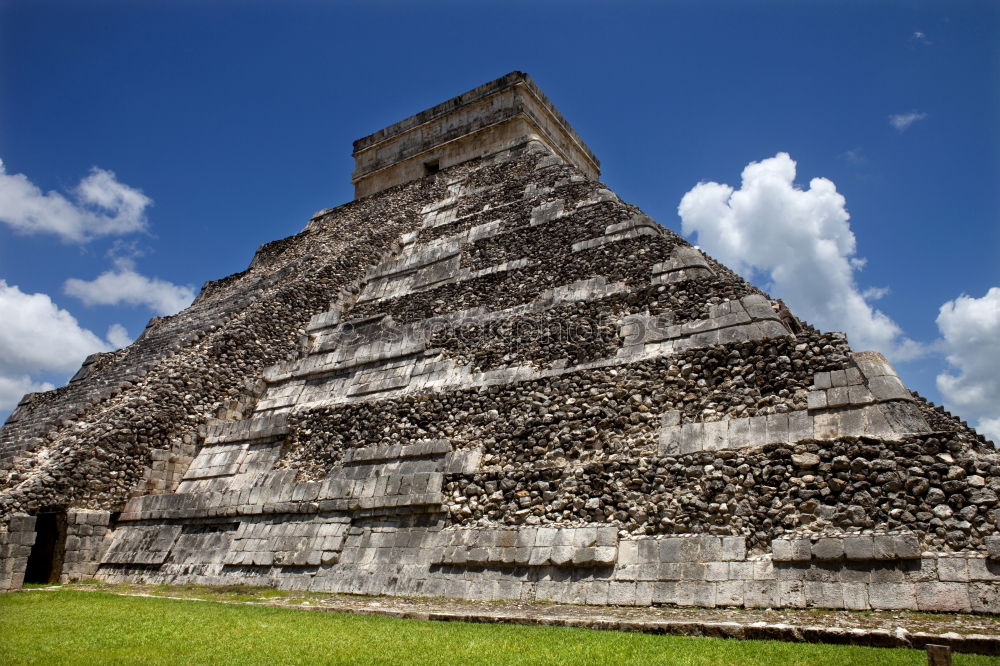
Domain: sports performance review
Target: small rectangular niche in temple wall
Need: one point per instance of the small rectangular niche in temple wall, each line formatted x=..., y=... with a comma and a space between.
x=46, y=559
x=431, y=167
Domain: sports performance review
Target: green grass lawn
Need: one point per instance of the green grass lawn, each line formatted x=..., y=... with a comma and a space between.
x=77, y=627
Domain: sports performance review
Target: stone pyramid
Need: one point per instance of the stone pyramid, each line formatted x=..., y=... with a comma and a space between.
x=487, y=377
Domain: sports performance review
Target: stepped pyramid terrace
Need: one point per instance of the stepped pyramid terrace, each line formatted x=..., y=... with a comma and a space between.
x=488, y=377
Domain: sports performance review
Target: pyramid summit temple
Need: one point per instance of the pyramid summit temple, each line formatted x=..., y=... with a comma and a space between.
x=487, y=377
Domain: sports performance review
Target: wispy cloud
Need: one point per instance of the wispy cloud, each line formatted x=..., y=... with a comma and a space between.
x=902, y=121
x=123, y=284
x=875, y=293
x=854, y=156
x=920, y=38
x=98, y=206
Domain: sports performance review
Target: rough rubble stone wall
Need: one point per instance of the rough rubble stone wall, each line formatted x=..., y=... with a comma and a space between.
x=542, y=394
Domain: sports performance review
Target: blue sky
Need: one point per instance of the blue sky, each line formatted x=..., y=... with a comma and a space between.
x=235, y=121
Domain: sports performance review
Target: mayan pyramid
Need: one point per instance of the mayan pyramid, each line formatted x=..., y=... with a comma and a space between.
x=487, y=377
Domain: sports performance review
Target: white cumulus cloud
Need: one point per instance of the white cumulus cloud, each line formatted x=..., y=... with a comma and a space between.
x=38, y=337
x=970, y=330
x=902, y=121
x=123, y=284
x=98, y=206
x=118, y=336
x=801, y=241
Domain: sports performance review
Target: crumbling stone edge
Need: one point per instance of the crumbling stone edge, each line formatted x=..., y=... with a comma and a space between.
x=762, y=631
x=971, y=643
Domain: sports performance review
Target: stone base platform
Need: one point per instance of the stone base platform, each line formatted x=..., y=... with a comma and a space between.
x=973, y=634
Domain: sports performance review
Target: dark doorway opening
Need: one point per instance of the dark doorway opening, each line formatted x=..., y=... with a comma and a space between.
x=46, y=560
x=431, y=167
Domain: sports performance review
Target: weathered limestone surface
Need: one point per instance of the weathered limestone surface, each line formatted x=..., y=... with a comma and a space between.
x=17, y=535
x=503, y=113
x=499, y=381
x=87, y=538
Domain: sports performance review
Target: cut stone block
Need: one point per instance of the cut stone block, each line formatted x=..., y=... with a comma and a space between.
x=816, y=400
x=888, y=388
x=992, y=547
x=860, y=547
x=943, y=597
x=791, y=550
x=828, y=548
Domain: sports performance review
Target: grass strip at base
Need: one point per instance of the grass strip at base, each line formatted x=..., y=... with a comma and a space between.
x=75, y=627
